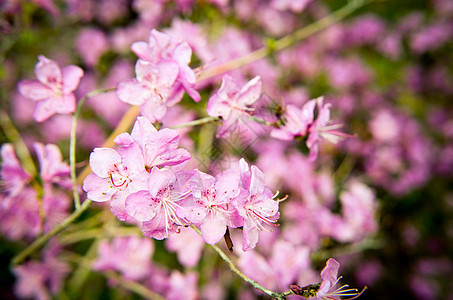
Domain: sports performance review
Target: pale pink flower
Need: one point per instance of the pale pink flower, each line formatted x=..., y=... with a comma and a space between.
x=255, y=204
x=115, y=176
x=232, y=101
x=41, y=280
x=182, y=286
x=159, y=206
x=211, y=209
x=163, y=73
x=53, y=90
x=152, y=88
x=278, y=271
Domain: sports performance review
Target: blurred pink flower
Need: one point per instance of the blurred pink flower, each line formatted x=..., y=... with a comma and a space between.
x=91, y=43
x=131, y=256
x=188, y=245
x=53, y=89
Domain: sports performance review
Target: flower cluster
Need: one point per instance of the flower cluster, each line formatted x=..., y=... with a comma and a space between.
x=142, y=186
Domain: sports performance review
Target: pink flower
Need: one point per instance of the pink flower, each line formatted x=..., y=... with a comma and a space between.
x=232, y=101
x=158, y=148
x=296, y=6
x=281, y=269
x=182, y=286
x=158, y=207
x=53, y=90
x=114, y=177
x=255, y=204
x=212, y=197
x=163, y=73
x=152, y=89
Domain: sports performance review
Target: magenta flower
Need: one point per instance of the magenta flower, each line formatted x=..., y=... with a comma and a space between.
x=330, y=279
x=158, y=207
x=255, y=204
x=232, y=101
x=211, y=210
x=53, y=90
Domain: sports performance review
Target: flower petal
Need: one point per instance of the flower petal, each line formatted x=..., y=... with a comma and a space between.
x=71, y=78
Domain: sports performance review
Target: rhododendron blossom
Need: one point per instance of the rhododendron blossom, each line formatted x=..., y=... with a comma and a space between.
x=53, y=90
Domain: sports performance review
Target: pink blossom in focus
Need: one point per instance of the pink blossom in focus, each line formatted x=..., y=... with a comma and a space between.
x=159, y=207
x=53, y=90
x=158, y=148
x=115, y=175
x=212, y=196
x=255, y=205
